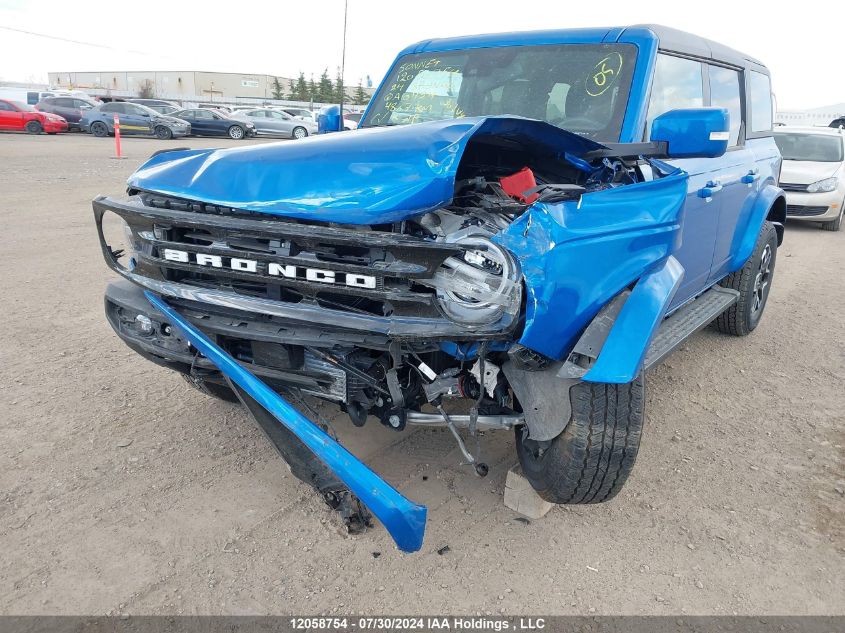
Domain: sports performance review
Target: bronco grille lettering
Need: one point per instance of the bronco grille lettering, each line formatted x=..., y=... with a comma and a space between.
x=274, y=269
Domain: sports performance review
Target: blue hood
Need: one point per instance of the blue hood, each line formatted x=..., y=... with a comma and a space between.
x=369, y=176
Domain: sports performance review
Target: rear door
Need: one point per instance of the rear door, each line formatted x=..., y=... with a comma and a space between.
x=679, y=82
x=64, y=107
x=739, y=177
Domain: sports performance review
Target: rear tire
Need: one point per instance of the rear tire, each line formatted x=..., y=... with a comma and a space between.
x=99, y=129
x=34, y=127
x=236, y=132
x=299, y=132
x=834, y=225
x=163, y=133
x=753, y=281
x=221, y=392
x=591, y=459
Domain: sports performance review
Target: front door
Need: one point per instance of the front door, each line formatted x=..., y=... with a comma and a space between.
x=679, y=83
x=10, y=118
x=134, y=120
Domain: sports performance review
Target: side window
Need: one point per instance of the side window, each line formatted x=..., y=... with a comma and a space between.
x=63, y=103
x=5, y=107
x=724, y=93
x=676, y=84
x=82, y=105
x=110, y=107
x=760, y=96
x=134, y=110
x=258, y=113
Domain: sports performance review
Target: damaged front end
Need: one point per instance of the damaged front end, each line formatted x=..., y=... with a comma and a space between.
x=435, y=274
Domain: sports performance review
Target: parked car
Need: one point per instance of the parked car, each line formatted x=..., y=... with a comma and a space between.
x=212, y=123
x=134, y=119
x=301, y=113
x=159, y=105
x=513, y=257
x=353, y=118
x=215, y=106
x=69, y=108
x=18, y=116
x=270, y=122
x=813, y=174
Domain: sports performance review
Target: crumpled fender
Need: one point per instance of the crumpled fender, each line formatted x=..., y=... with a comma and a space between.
x=626, y=345
x=403, y=519
x=577, y=255
x=747, y=238
x=369, y=176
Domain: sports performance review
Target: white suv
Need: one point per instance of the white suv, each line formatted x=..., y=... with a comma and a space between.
x=813, y=174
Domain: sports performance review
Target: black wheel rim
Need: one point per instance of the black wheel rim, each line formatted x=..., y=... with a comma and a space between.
x=162, y=133
x=761, y=280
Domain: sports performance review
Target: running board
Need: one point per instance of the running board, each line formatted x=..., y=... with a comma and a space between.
x=688, y=320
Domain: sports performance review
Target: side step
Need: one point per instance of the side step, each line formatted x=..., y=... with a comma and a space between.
x=688, y=320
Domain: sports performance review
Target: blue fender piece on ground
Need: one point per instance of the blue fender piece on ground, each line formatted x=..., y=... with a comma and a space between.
x=404, y=520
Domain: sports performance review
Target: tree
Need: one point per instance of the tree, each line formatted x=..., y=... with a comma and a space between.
x=278, y=92
x=361, y=97
x=302, y=92
x=292, y=91
x=312, y=89
x=339, y=95
x=325, y=89
x=147, y=89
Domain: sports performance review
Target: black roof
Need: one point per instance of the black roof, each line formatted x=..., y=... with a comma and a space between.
x=683, y=42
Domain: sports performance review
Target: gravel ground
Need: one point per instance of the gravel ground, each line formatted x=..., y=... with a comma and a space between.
x=124, y=491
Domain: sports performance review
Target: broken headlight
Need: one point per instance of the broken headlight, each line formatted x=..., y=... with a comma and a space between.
x=120, y=240
x=479, y=286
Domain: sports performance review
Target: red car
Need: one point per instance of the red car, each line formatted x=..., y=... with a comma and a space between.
x=15, y=115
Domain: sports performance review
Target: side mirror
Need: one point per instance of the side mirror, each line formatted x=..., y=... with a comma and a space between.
x=693, y=132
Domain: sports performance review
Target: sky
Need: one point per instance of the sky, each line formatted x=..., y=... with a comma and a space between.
x=802, y=48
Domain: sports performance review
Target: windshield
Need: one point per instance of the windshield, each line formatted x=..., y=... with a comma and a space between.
x=25, y=107
x=809, y=147
x=580, y=87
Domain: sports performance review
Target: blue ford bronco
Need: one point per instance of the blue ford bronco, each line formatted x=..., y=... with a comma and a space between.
x=521, y=227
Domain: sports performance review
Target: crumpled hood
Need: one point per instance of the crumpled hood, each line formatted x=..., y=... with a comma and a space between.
x=370, y=176
x=804, y=172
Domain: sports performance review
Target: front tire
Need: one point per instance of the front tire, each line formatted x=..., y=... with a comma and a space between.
x=834, y=225
x=99, y=129
x=753, y=281
x=299, y=132
x=236, y=132
x=163, y=133
x=591, y=459
x=34, y=127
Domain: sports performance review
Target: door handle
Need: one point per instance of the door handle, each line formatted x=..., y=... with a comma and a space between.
x=709, y=189
x=751, y=176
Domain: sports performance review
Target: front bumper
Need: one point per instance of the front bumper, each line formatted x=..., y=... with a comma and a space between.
x=55, y=126
x=815, y=207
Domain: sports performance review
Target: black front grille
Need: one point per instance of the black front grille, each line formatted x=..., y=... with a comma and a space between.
x=801, y=210
x=789, y=186
x=357, y=270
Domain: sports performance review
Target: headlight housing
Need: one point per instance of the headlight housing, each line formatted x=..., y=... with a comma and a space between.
x=480, y=286
x=823, y=186
x=120, y=239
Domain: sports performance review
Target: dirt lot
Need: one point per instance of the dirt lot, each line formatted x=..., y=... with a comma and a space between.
x=124, y=491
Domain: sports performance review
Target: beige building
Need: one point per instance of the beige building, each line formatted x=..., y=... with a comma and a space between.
x=189, y=85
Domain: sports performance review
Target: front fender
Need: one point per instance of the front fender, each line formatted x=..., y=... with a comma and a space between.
x=624, y=349
x=747, y=237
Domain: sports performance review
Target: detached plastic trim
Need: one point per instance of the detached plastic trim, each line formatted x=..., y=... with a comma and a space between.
x=403, y=519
